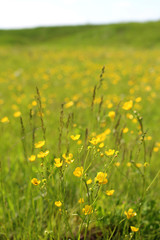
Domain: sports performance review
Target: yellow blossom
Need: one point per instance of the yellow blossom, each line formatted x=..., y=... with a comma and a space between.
x=130, y=213
x=117, y=164
x=138, y=99
x=155, y=149
x=75, y=138
x=125, y=130
x=35, y=182
x=89, y=181
x=146, y=164
x=110, y=152
x=112, y=114
x=127, y=105
x=78, y=172
x=87, y=209
x=34, y=103
x=134, y=229
x=94, y=141
x=101, y=178
x=129, y=116
x=138, y=165
x=58, y=203
x=39, y=144
x=5, y=120
x=17, y=114
x=79, y=142
x=32, y=158
x=109, y=192
x=69, y=104
x=129, y=164
x=43, y=154
x=101, y=145
x=81, y=200
x=58, y=163
x=69, y=159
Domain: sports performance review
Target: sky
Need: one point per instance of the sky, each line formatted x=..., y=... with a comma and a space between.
x=16, y=14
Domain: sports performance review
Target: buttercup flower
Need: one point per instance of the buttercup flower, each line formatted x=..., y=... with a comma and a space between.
x=75, y=138
x=58, y=162
x=32, y=158
x=101, y=145
x=69, y=159
x=17, y=114
x=58, y=203
x=134, y=229
x=94, y=141
x=78, y=172
x=35, y=182
x=43, y=154
x=39, y=144
x=87, y=209
x=89, y=181
x=109, y=192
x=101, y=178
x=127, y=105
x=130, y=213
x=5, y=120
x=110, y=152
x=112, y=114
x=81, y=200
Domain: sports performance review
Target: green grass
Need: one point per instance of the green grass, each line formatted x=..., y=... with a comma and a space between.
x=65, y=64
x=144, y=35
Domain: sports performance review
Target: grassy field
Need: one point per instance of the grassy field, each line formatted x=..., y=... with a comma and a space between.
x=80, y=138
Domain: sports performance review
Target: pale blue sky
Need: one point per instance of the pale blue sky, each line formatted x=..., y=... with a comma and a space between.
x=33, y=13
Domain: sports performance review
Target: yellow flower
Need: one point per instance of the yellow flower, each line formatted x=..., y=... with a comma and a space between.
x=94, y=141
x=127, y=105
x=146, y=164
x=5, y=120
x=149, y=138
x=128, y=164
x=81, y=200
x=155, y=149
x=129, y=116
x=58, y=162
x=89, y=181
x=17, y=114
x=101, y=178
x=35, y=182
x=130, y=213
x=39, y=144
x=75, y=138
x=69, y=104
x=87, y=209
x=101, y=145
x=32, y=158
x=134, y=229
x=109, y=192
x=138, y=165
x=43, y=154
x=110, y=152
x=125, y=130
x=79, y=142
x=138, y=99
x=78, y=172
x=58, y=203
x=117, y=164
x=112, y=114
x=34, y=103
x=69, y=159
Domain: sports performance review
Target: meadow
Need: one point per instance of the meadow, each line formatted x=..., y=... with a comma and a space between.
x=80, y=138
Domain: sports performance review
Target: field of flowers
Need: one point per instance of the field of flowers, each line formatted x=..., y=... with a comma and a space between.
x=79, y=142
